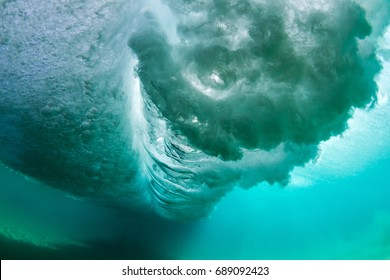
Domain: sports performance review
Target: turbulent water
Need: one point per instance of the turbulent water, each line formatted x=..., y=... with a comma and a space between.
x=167, y=106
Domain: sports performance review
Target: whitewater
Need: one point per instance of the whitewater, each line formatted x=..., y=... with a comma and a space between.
x=170, y=105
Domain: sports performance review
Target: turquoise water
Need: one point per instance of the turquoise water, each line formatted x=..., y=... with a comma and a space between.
x=174, y=130
x=343, y=219
x=335, y=213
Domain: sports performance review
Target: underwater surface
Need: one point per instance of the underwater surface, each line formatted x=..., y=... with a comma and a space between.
x=201, y=129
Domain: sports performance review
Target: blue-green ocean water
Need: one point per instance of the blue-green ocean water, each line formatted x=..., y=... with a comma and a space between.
x=336, y=210
x=185, y=132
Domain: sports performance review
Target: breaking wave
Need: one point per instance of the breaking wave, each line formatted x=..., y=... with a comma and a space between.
x=172, y=104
